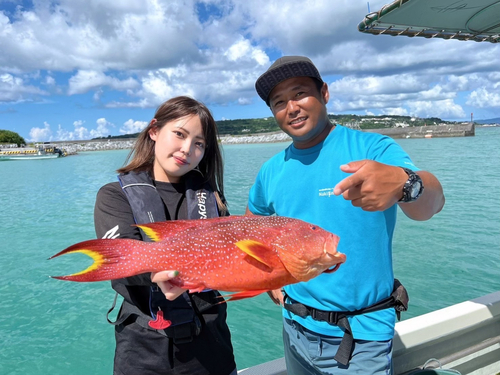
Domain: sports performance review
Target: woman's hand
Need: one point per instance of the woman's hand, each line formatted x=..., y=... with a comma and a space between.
x=162, y=278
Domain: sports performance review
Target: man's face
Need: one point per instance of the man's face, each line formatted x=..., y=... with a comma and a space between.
x=300, y=110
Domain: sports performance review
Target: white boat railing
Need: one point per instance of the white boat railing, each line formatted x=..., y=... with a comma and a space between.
x=465, y=337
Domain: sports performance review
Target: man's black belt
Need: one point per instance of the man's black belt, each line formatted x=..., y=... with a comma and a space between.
x=398, y=300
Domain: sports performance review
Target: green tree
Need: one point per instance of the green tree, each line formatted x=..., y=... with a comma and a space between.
x=6, y=136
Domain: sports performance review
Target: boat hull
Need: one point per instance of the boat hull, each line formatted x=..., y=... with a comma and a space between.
x=28, y=157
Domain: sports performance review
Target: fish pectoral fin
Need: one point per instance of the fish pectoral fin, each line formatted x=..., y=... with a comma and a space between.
x=297, y=267
x=258, y=251
x=242, y=295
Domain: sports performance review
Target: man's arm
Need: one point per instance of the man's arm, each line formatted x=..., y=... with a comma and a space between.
x=374, y=186
x=429, y=203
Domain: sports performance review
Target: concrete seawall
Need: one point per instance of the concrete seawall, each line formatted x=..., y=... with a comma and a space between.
x=464, y=130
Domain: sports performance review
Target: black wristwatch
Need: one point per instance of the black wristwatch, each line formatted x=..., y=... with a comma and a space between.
x=412, y=188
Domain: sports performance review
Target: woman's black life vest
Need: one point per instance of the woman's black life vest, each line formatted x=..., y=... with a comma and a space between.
x=184, y=313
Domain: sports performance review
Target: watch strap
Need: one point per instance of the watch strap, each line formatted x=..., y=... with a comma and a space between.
x=413, y=178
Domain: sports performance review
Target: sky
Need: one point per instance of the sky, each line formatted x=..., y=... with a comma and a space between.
x=80, y=69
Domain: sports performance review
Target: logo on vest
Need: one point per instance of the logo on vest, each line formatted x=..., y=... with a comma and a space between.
x=112, y=233
x=328, y=192
x=202, y=209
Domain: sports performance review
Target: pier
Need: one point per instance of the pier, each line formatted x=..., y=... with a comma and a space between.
x=435, y=131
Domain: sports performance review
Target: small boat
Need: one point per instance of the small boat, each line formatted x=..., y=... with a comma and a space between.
x=41, y=151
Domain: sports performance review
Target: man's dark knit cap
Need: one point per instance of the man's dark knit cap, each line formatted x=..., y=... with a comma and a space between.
x=284, y=68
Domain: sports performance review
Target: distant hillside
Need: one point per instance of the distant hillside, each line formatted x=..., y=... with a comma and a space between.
x=489, y=121
x=268, y=124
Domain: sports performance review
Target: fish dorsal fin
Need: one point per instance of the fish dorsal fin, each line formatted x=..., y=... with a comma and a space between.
x=258, y=251
x=297, y=267
x=162, y=230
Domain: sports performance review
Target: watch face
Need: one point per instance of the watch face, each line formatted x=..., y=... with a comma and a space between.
x=415, y=189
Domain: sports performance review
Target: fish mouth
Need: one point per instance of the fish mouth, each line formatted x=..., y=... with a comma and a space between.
x=334, y=258
x=332, y=270
x=330, y=246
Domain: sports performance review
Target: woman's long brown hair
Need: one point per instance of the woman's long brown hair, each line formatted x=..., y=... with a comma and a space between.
x=211, y=165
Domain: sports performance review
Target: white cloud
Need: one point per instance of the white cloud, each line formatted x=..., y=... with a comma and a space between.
x=372, y=85
x=41, y=134
x=14, y=89
x=81, y=132
x=102, y=129
x=138, y=54
x=50, y=81
x=307, y=27
x=395, y=111
x=483, y=98
x=394, y=95
x=439, y=108
x=85, y=80
x=243, y=50
x=99, y=35
x=131, y=126
x=228, y=76
x=64, y=135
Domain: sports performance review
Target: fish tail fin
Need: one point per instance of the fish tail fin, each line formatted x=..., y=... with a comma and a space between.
x=113, y=259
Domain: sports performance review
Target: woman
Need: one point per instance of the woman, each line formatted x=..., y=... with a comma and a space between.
x=175, y=172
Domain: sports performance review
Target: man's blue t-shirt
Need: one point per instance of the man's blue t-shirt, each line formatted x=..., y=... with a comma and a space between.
x=299, y=183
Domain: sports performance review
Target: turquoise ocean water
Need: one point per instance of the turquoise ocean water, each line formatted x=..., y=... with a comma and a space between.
x=53, y=327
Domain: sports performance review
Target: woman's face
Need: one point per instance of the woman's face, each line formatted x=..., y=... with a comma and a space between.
x=179, y=148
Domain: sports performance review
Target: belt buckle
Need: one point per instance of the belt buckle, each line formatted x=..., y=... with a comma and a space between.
x=333, y=317
x=312, y=312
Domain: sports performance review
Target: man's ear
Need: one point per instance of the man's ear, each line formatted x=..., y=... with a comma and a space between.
x=325, y=94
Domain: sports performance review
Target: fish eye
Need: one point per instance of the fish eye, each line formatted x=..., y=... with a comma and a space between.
x=314, y=227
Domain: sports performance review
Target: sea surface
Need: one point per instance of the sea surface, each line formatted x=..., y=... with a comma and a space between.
x=54, y=327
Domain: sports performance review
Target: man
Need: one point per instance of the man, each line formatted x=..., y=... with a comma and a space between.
x=349, y=183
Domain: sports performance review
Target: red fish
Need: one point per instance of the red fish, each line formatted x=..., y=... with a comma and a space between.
x=246, y=254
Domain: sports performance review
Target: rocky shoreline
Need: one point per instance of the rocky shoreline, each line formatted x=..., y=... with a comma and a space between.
x=462, y=130
x=73, y=147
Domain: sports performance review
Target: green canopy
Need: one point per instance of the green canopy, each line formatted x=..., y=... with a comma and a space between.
x=477, y=20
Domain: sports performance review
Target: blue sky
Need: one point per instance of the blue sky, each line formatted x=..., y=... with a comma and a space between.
x=78, y=69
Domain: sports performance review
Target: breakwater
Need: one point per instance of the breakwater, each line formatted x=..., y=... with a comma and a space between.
x=462, y=130
x=435, y=131
x=73, y=147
